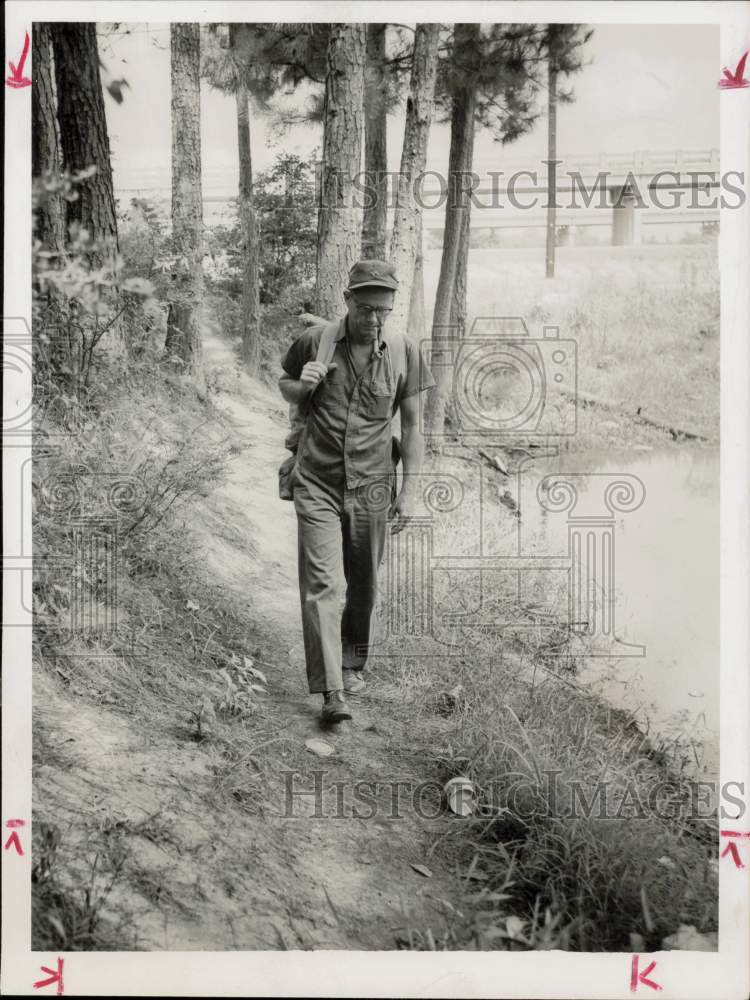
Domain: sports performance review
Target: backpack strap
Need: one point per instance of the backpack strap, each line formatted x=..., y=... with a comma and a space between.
x=327, y=343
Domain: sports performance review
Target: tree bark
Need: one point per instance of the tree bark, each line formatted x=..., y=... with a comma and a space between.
x=183, y=330
x=339, y=221
x=45, y=145
x=250, y=238
x=456, y=213
x=416, y=321
x=83, y=126
x=549, y=265
x=406, y=241
x=459, y=304
x=376, y=152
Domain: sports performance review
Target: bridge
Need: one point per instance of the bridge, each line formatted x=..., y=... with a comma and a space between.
x=623, y=192
x=690, y=175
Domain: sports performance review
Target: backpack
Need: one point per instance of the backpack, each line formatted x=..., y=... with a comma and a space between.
x=298, y=415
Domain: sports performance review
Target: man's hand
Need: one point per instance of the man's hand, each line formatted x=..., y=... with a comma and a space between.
x=313, y=373
x=401, y=510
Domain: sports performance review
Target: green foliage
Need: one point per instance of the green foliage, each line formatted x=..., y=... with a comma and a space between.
x=502, y=64
x=80, y=295
x=285, y=202
x=235, y=55
x=244, y=682
x=287, y=214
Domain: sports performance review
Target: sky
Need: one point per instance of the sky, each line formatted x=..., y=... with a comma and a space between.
x=645, y=87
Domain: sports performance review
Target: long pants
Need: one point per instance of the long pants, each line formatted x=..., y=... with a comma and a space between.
x=340, y=535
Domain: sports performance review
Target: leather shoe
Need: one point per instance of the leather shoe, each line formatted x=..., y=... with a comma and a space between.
x=334, y=708
x=353, y=682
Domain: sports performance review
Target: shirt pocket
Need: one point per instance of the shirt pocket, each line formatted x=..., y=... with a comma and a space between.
x=376, y=400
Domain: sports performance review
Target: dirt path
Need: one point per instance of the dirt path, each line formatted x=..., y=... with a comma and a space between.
x=222, y=850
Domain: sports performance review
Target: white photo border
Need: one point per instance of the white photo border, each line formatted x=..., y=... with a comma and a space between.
x=703, y=976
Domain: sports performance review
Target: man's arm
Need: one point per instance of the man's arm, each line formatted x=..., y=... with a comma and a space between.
x=297, y=390
x=412, y=456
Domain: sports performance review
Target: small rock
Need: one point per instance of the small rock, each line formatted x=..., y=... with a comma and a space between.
x=320, y=748
x=666, y=862
x=514, y=927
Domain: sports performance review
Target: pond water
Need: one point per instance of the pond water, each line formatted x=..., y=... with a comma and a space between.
x=664, y=583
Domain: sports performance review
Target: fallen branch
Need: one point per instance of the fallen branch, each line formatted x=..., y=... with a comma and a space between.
x=590, y=400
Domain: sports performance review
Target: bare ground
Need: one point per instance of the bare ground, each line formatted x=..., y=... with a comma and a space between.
x=183, y=845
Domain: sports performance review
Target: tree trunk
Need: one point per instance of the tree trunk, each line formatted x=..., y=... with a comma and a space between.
x=458, y=305
x=183, y=331
x=376, y=158
x=416, y=321
x=83, y=126
x=456, y=212
x=463, y=165
x=406, y=241
x=339, y=221
x=45, y=146
x=551, y=156
x=250, y=238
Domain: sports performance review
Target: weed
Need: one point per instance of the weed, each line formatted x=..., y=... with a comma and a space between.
x=71, y=917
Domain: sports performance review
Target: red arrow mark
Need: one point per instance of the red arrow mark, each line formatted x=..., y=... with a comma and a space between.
x=17, y=79
x=737, y=79
x=732, y=849
x=14, y=840
x=54, y=977
x=637, y=977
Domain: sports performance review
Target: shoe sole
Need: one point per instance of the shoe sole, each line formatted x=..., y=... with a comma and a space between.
x=334, y=717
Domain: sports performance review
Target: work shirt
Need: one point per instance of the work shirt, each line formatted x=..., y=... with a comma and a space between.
x=348, y=436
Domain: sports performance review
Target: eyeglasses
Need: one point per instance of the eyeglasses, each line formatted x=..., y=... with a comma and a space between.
x=367, y=310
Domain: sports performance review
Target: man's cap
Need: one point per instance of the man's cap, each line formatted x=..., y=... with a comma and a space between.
x=378, y=273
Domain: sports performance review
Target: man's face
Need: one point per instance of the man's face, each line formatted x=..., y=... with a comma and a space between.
x=368, y=310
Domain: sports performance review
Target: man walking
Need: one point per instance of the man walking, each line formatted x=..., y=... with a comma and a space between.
x=344, y=469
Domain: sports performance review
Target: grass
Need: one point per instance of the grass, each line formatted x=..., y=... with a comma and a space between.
x=180, y=662
x=583, y=837
x=645, y=320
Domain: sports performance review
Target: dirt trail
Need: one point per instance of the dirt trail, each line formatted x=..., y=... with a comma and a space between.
x=202, y=872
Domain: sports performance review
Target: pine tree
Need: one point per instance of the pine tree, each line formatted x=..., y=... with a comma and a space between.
x=233, y=61
x=45, y=145
x=490, y=79
x=376, y=150
x=562, y=44
x=83, y=127
x=406, y=240
x=183, y=330
x=339, y=218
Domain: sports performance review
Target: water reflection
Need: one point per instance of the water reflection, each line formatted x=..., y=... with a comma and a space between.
x=665, y=569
